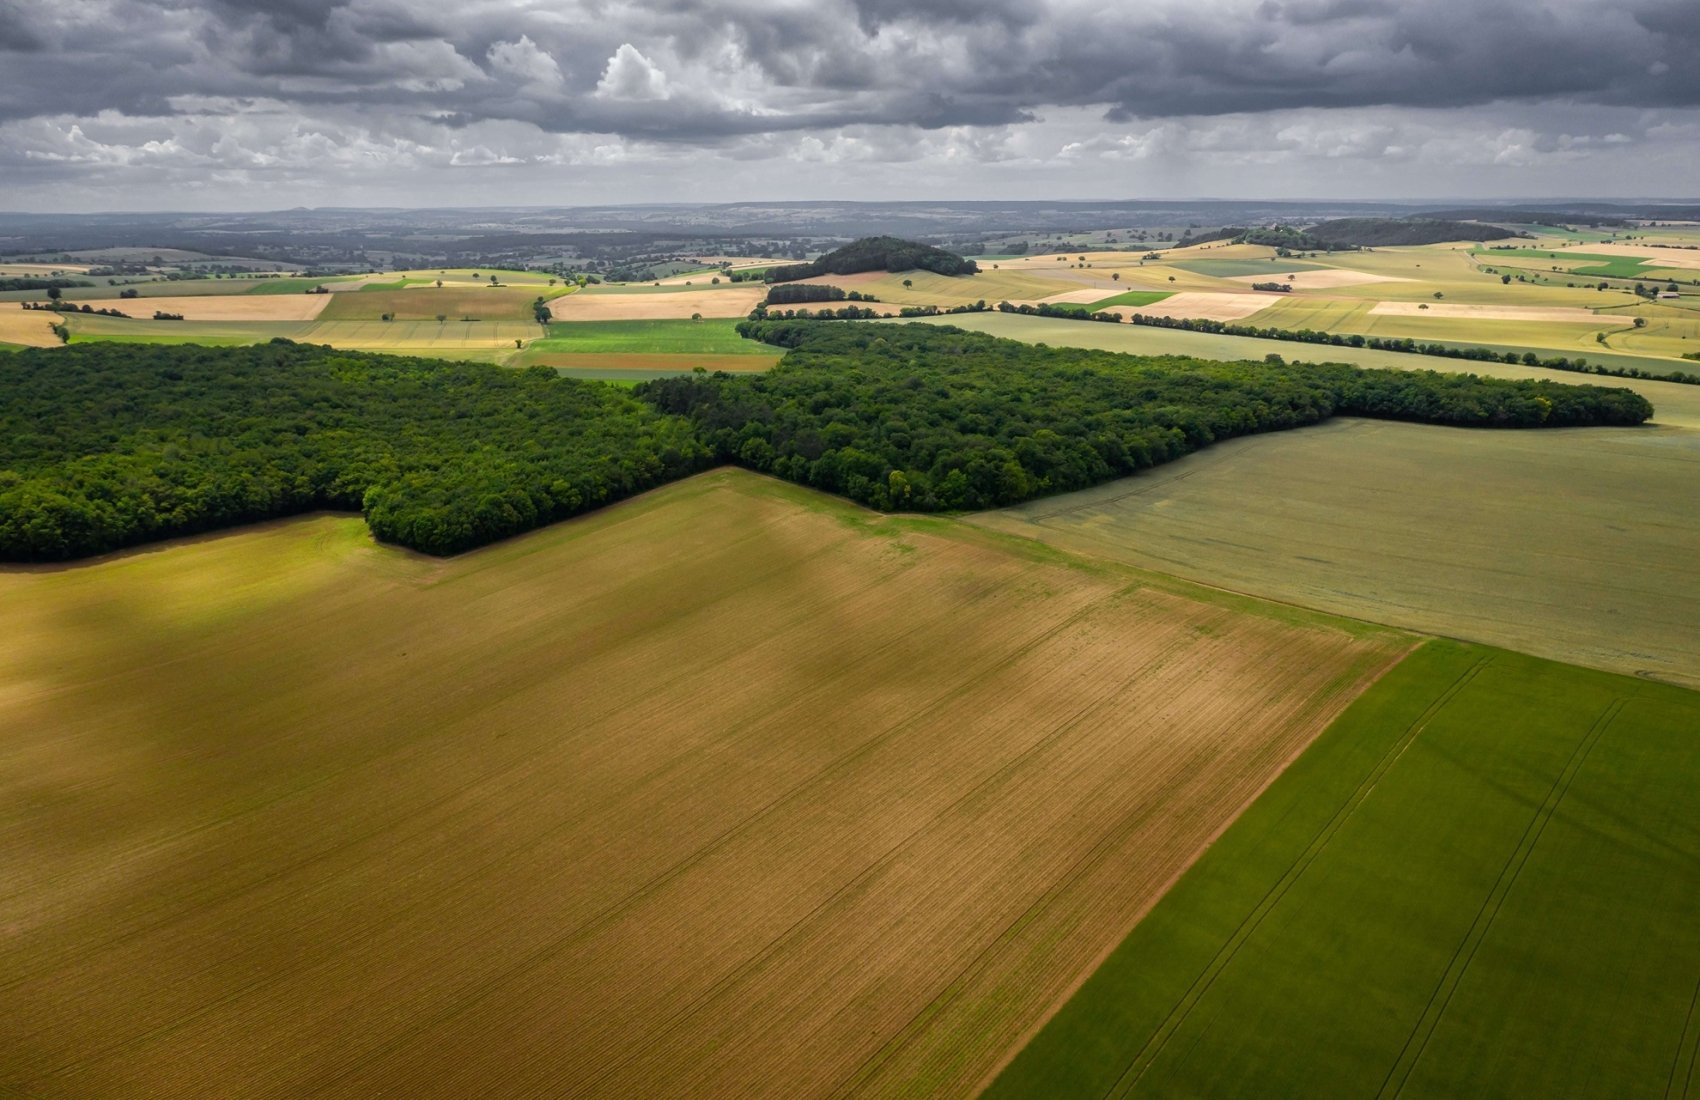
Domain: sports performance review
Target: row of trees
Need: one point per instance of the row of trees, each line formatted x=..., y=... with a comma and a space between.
x=790, y=294
x=926, y=418
x=108, y=445
x=1408, y=346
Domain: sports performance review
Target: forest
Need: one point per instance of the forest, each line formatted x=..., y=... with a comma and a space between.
x=876, y=254
x=927, y=418
x=109, y=445
x=104, y=446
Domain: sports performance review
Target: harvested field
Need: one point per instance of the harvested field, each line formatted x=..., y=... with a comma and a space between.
x=1203, y=304
x=1318, y=279
x=1576, y=545
x=1077, y=297
x=630, y=806
x=231, y=307
x=1464, y=311
x=30, y=327
x=671, y=305
x=425, y=303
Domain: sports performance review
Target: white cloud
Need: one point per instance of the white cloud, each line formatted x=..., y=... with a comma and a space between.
x=630, y=75
x=525, y=62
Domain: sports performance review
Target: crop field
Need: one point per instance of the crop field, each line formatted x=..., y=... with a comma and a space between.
x=639, y=350
x=1269, y=266
x=230, y=307
x=658, y=303
x=1482, y=881
x=1681, y=402
x=29, y=328
x=627, y=805
x=1573, y=545
x=1131, y=298
x=708, y=336
x=944, y=290
x=426, y=303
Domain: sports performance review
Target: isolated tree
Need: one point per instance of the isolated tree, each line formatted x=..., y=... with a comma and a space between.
x=1506, y=279
x=54, y=293
x=439, y=284
x=441, y=317
x=696, y=316
x=1115, y=276
x=908, y=282
x=1640, y=322
x=1171, y=278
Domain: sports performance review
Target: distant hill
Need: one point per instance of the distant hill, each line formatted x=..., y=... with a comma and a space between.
x=1376, y=232
x=876, y=254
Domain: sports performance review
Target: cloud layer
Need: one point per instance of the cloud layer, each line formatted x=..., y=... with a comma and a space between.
x=127, y=103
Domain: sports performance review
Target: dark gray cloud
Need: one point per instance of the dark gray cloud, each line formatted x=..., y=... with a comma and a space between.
x=471, y=80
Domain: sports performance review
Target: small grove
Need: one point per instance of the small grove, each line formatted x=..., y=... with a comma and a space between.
x=104, y=446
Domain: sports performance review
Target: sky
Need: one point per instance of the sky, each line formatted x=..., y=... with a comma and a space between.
x=268, y=104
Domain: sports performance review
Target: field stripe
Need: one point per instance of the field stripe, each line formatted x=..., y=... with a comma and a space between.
x=1417, y=1042
x=1687, y=1048
x=1147, y=1054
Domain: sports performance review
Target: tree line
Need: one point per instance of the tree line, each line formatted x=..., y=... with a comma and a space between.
x=1407, y=346
x=927, y=418
x=104, y=446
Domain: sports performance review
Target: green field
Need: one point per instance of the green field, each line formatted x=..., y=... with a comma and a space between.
x=1573, y=545
x=707, y=337
x=1577, y=263
x=1482, y=881
x=1675, y=403
x=1130, y=298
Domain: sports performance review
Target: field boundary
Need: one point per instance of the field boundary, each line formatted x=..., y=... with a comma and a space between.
x=1148, y=1053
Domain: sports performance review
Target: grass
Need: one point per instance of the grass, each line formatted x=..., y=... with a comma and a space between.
x=707, y=337
x=624, y=805
x=1675, y=404
x=1130, y=298
x=1577, y=263
x=1572, y=545
x=1481, y=881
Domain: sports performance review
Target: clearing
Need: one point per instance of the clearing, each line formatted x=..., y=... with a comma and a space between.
x=627, y=805
x=1482, y=881
x=1574, y=545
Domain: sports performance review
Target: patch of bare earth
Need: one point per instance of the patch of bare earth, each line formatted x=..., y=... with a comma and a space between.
x=726, y=791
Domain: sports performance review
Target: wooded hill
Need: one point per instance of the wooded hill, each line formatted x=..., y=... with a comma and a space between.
x=876, y=254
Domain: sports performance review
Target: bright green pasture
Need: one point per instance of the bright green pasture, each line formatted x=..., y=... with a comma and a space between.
x=1482, y=881
x=1130, y=298
x=706, y=337
x=1577, y=263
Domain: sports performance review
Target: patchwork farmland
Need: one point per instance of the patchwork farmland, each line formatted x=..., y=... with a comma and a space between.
x=658, y=790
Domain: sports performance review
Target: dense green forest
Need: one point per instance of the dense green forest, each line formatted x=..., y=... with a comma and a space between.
x=876, y=254
x=109, y=445
x=786, y=294
x=926, y=418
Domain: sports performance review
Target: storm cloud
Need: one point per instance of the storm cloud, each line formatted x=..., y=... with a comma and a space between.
x=124, y=96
